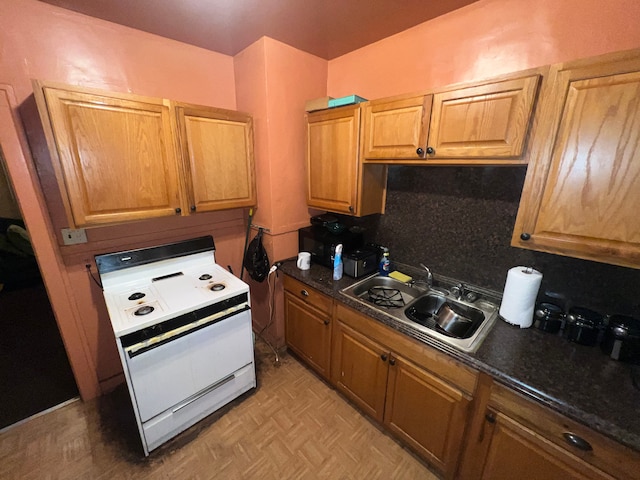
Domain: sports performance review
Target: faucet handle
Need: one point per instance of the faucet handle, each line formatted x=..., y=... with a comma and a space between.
x=458, y=291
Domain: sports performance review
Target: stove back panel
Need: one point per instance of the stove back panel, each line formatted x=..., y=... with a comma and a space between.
x=110, y=262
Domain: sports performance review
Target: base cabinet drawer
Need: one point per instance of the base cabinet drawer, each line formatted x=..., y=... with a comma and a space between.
x=510, y=435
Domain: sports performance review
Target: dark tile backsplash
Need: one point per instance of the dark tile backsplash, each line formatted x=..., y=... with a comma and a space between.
x=458, y=221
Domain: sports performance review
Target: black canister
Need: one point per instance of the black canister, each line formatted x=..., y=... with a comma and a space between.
x=548, y=317
x=621, y=339
x=583, y=326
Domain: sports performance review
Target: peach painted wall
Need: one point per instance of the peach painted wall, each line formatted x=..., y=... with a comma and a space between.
x=486, y=39
x=273, y=82
x=45, y=42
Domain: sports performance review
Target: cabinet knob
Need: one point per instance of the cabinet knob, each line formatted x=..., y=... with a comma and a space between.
x=576, y=441
x=490, y=417
x=392, y=361
x=351, y=208
x=525, y=236
x=420, y=151
x=326, y=322
x=304, y=293
x=178, y=211
x=192, y=208
x=383, y=357
x=430, y=151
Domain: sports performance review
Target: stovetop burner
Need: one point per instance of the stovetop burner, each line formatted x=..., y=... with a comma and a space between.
x=386, y=297
x=151, y=285
x=144, y=310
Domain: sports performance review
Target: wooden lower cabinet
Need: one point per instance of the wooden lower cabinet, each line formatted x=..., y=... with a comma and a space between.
x=307, y=316
x=422, y=410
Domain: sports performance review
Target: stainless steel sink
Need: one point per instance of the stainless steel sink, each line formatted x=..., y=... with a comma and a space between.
x=418, y=309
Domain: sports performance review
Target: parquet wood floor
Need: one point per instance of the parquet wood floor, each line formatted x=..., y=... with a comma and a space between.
x=294, y=426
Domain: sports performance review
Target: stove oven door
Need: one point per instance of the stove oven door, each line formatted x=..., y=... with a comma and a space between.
x=178, y=370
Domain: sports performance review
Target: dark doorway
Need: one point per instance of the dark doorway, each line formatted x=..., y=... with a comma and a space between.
x=35, y=374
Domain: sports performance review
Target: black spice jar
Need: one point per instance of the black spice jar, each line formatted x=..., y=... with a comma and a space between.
x=583, y=326
x=621, y=339
x=548, y=317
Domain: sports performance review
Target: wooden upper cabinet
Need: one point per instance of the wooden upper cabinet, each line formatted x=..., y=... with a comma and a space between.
x=582, y=191
x=336, y=179
x=217, y=152
x=115, y=157
x=487, y=121
x=396, y=128
x=119, y=157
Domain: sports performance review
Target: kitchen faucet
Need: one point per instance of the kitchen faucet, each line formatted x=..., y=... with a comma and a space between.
x=429, y=278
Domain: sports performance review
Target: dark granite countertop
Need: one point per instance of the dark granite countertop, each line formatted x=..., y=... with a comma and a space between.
x=578, y=381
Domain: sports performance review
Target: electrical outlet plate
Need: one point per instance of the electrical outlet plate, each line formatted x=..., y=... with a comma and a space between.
x=73, y=237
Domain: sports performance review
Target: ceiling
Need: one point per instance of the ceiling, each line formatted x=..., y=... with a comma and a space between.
x=326, y=28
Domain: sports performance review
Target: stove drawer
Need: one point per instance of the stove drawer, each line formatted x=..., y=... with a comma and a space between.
x=175, y=420
x=167, y=375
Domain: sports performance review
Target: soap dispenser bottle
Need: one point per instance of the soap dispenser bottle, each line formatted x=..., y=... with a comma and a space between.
x=338, y=266
x=385, y=264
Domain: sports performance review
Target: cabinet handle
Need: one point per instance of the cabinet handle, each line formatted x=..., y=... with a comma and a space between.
x=525, y=236
x=420, y=151
x=392, y=361
x=383, y=357
x=304, y=293
x=326, y=322
x=576, y=441
x=430, y=150
x=178, y=211
x=193, y=208
x=490, y=417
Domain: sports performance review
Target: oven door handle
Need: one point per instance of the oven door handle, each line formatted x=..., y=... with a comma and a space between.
x=204, y=392
x=155, y=342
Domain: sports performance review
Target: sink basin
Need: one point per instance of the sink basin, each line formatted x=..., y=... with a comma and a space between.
x=433, y=312
x=446, y=316
x=385, y=292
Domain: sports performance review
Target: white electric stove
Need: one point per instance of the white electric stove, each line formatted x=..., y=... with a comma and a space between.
x=183, y=329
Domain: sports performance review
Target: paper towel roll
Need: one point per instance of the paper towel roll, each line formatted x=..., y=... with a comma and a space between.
x=519, y=297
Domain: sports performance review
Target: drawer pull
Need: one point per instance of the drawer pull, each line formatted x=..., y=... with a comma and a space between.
x=576, y=441
x=304, y=293
x=326, y=322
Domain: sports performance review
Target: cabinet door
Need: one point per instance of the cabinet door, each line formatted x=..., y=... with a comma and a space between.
x=332, y=159
x=217, y=152
x=487, y=121
x=396, y=128
x=115, y=157
x=308, y=333
x=517, y=452
x=582, y=192
x=427, y=413
x=360, y=369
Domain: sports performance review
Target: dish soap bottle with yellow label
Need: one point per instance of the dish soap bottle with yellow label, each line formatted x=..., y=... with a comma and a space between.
x=385, y=264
